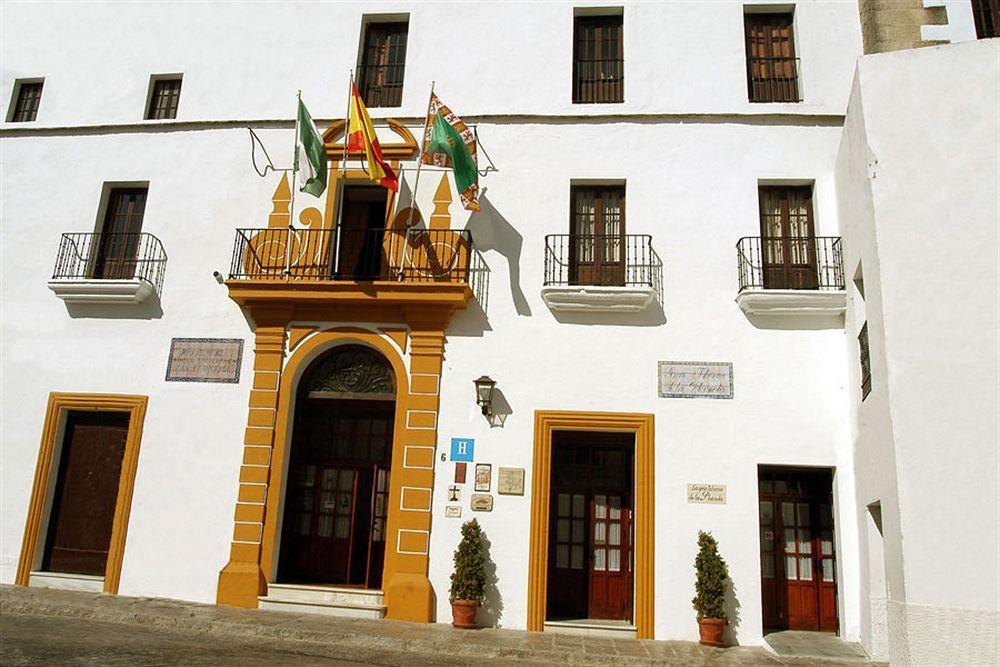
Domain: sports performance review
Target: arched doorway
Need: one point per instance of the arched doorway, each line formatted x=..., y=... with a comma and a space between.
x=336, y=499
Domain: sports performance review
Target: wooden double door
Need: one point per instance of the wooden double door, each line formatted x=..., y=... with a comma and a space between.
x=118, y=245
x=597, y=251
x=787, y=237
x=336, y=501
x=798, y=562
x=590, y=531
x=86, y=493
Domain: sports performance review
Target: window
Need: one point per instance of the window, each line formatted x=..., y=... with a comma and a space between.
x=986, y=14
x=383, y=60
x=27, y=95
x=772, y=68
x=597, y=236
x=163, y=98
x=789, y=244
x=118, y=245
x=598, y=60
x=866, y=363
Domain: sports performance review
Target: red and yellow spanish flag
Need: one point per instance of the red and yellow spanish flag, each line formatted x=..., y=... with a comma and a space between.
x=361, y=134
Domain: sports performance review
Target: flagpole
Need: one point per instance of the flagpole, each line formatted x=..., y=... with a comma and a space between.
x=335, y=225
x=291, y=203
x=420, y=158
x=347, y=122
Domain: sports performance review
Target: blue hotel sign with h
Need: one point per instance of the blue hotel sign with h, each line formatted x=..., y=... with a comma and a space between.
x=461, y=449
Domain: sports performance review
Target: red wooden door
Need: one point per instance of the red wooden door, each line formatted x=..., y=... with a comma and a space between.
x=611, y=557
x=376, y=535
x=798, y=582
x=788, y=242
x=597, y=236
x=86, y=493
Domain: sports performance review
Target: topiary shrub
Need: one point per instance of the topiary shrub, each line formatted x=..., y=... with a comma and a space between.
x=710, y=583
x=468, y=581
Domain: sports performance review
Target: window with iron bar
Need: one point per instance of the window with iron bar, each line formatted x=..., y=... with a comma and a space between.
x=29, y=95
x=383, y=61
x=866, y=364
x=164, y=99
x=598, y=60
x=772, y=68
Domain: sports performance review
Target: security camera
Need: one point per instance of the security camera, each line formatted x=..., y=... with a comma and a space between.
x=218, y=277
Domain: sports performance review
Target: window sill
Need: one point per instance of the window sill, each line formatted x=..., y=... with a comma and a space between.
x=791, y=302
x=597, y=299
x=87, y=290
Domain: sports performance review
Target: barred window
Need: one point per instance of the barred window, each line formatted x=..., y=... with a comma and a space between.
x=598, y=60
x=986, y=14
x=383, y=61
x=29, y=95
x=772, y=68
x=164, y=99
x=866, y=364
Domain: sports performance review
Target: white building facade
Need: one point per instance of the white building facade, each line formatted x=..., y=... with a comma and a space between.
x=681, y=191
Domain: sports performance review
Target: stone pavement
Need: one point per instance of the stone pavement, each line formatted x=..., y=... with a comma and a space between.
x=42, y=626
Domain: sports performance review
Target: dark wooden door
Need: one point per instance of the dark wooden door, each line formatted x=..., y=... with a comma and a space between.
x=118, y=245
x=590, y=532
x=362, y=232
x=597, y=236
x=788, y=242
x=86, y=493
x=333, y=530
x=798, y=581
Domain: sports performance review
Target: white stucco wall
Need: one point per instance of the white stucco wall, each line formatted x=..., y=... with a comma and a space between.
x=688, y=145
x=919, y=170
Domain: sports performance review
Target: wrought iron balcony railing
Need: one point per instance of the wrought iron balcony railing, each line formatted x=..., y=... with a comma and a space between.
x=99, y=256
x=414, y=255
x=626, y=260
x=806, y=263
x=773, y=79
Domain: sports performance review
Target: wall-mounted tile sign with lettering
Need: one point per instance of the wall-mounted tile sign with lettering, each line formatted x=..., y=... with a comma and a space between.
x=695, y=379
x=484, y=473
x=707, y=494
x=510, y=481
x=482, y=502
x=205, y=360
x=462, y=449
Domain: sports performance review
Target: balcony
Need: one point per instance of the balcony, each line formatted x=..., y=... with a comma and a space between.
x=803, y=276
x=620, y=274
x=108, y=268
x=389, y=266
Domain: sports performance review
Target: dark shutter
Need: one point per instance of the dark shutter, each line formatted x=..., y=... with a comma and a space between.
x=986, y=14
x=382, y=64
x=164, y=100
x=29, y=95
x=118, y=247
x=598, y=60
x=772, y=68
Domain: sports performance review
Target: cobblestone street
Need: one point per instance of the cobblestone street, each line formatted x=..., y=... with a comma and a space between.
x=48, y=627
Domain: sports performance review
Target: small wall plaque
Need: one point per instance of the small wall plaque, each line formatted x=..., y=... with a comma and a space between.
x=484, y=473
x=707, y=494
x=460, y=472
x=695, y=379
x=205, y=360
x=453, y=511
x=482, y=502
x=510, y=481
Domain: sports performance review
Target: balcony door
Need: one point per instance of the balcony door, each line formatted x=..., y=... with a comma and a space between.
x=362, y=233
x=787, y=238
x=118, y=244
x=597, y=236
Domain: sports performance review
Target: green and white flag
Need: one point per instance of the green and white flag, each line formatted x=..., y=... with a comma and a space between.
x=310, y=163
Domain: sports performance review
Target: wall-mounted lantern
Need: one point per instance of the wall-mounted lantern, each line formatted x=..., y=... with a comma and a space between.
x=484, y=393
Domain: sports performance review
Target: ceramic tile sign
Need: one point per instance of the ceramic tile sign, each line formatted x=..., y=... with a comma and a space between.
x=462, y=448
x=482, y=502
x=205, y=360
x=453, y=511
x=510, y=481
x=484, y=473
x=707, y=494
x=695, y=379
x=460, y=472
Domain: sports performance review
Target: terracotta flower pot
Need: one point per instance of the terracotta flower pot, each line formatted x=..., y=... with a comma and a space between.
x=463, y=613
x=711, y=630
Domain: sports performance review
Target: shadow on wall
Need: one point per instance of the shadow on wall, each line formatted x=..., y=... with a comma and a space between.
x=732, y=605
x=491, y=231
x=500, y=409
x=791, y=322
x=490, y=612
x=471, y=321
x=653, y=316
x=147, y=310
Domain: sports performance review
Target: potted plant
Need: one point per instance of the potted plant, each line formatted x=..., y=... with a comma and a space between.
x=468, y=581
x=710, y=590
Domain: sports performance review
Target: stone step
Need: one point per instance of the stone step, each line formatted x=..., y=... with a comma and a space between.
x=592, y=628
x=329, y=600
